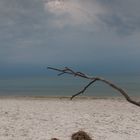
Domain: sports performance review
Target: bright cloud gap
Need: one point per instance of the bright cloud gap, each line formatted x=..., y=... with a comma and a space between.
x=72, y=12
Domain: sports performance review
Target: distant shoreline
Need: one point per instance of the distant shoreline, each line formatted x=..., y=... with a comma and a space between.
x=67, y=97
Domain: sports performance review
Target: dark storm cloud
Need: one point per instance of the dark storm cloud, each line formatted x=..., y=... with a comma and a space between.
x=121, y=15
x=21, y=20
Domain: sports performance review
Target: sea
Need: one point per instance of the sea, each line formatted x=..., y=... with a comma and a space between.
x=66, y=86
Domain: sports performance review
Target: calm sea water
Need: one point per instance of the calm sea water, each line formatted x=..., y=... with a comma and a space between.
x=65, y=86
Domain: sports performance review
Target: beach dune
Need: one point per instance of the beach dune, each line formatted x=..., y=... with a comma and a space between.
x=30, y=118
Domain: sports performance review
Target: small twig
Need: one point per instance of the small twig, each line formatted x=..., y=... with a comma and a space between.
x=82, y=74
x=83, y=90
x=94, y=79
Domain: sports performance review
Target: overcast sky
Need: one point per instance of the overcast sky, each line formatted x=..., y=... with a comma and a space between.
x=90, y=35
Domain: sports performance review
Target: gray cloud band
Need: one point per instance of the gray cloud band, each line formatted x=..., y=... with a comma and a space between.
x=121, y=16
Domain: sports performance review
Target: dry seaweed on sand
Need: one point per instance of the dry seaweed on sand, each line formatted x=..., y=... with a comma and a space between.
x=54, y=139
x=80, y=135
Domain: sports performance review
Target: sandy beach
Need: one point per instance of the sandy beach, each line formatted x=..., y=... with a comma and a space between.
x=32, y=118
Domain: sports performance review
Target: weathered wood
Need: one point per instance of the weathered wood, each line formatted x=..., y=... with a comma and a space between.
x=67, y=70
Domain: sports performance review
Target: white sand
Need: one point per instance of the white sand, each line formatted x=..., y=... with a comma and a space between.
x=42, y=119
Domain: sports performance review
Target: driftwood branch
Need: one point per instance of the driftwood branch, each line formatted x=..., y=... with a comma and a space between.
x=67, y=70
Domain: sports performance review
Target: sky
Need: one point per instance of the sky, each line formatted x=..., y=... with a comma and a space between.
x=95, y=36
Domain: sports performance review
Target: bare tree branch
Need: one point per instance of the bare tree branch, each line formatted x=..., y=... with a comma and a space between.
x=67, y=70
